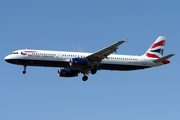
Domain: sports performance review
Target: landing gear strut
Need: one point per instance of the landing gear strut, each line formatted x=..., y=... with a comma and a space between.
x=24, y=72
x=85, y=78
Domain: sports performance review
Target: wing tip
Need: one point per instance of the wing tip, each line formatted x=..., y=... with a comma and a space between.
x=126, y=40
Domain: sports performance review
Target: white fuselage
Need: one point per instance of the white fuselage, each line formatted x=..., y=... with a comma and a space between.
x=74, y=63
x=61, y=59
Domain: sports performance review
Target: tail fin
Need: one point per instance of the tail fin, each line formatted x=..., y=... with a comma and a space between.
x=157, y=48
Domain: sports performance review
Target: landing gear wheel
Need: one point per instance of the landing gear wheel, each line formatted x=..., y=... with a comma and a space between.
x=24, y=72
x=85, y=78
x=93, y=71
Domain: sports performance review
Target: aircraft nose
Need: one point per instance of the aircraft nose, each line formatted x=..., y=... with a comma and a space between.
x=7, y=58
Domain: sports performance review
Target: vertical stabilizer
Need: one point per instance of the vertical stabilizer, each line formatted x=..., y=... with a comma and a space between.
x=157, y=48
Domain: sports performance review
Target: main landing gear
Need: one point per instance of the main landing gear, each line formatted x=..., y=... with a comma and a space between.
x=93, y=71
x=24, y=71
x=85, y=78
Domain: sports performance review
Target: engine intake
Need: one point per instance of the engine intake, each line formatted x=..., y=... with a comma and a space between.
x=67, y=73
x=78, y=62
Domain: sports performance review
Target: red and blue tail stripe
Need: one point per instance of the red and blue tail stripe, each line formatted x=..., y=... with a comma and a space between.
x=156, y=50
x=161, y=43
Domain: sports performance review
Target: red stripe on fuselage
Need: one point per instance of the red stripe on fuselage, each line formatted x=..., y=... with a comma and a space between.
x=29, y=51
x=161, y=43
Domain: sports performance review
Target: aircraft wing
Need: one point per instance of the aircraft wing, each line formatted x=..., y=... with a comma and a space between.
x=103, y=53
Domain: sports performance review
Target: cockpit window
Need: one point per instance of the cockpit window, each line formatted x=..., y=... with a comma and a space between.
x=14, y=53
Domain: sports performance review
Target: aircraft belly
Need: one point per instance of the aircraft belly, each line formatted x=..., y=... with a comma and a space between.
x=48, y=63
x=121, y=67
x=45, y=63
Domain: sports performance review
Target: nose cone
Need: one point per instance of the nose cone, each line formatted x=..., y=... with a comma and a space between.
x=8, y=58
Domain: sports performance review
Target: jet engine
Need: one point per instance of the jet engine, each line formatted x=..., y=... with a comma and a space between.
x=78, y=62
x=67, y=73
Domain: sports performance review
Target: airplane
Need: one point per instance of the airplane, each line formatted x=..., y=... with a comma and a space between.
x=73, y=63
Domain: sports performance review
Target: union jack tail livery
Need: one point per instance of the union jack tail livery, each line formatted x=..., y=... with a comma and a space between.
x=157, y=48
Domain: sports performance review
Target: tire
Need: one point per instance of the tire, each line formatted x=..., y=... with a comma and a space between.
x=85, y=78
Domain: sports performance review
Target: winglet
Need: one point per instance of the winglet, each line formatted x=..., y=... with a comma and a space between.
x=126, y=40
x=163, y=59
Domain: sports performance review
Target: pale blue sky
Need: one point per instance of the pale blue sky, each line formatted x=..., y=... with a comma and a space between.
x=150, y=94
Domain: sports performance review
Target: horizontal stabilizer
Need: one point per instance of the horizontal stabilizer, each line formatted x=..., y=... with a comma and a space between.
x=163, y=58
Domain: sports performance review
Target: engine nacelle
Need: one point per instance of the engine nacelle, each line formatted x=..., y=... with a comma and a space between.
x=78, y=62
x=67, y=73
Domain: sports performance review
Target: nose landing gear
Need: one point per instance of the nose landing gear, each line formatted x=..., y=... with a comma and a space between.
x=24, y=71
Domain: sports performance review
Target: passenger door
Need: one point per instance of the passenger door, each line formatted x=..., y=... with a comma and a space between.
x=59, y=55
